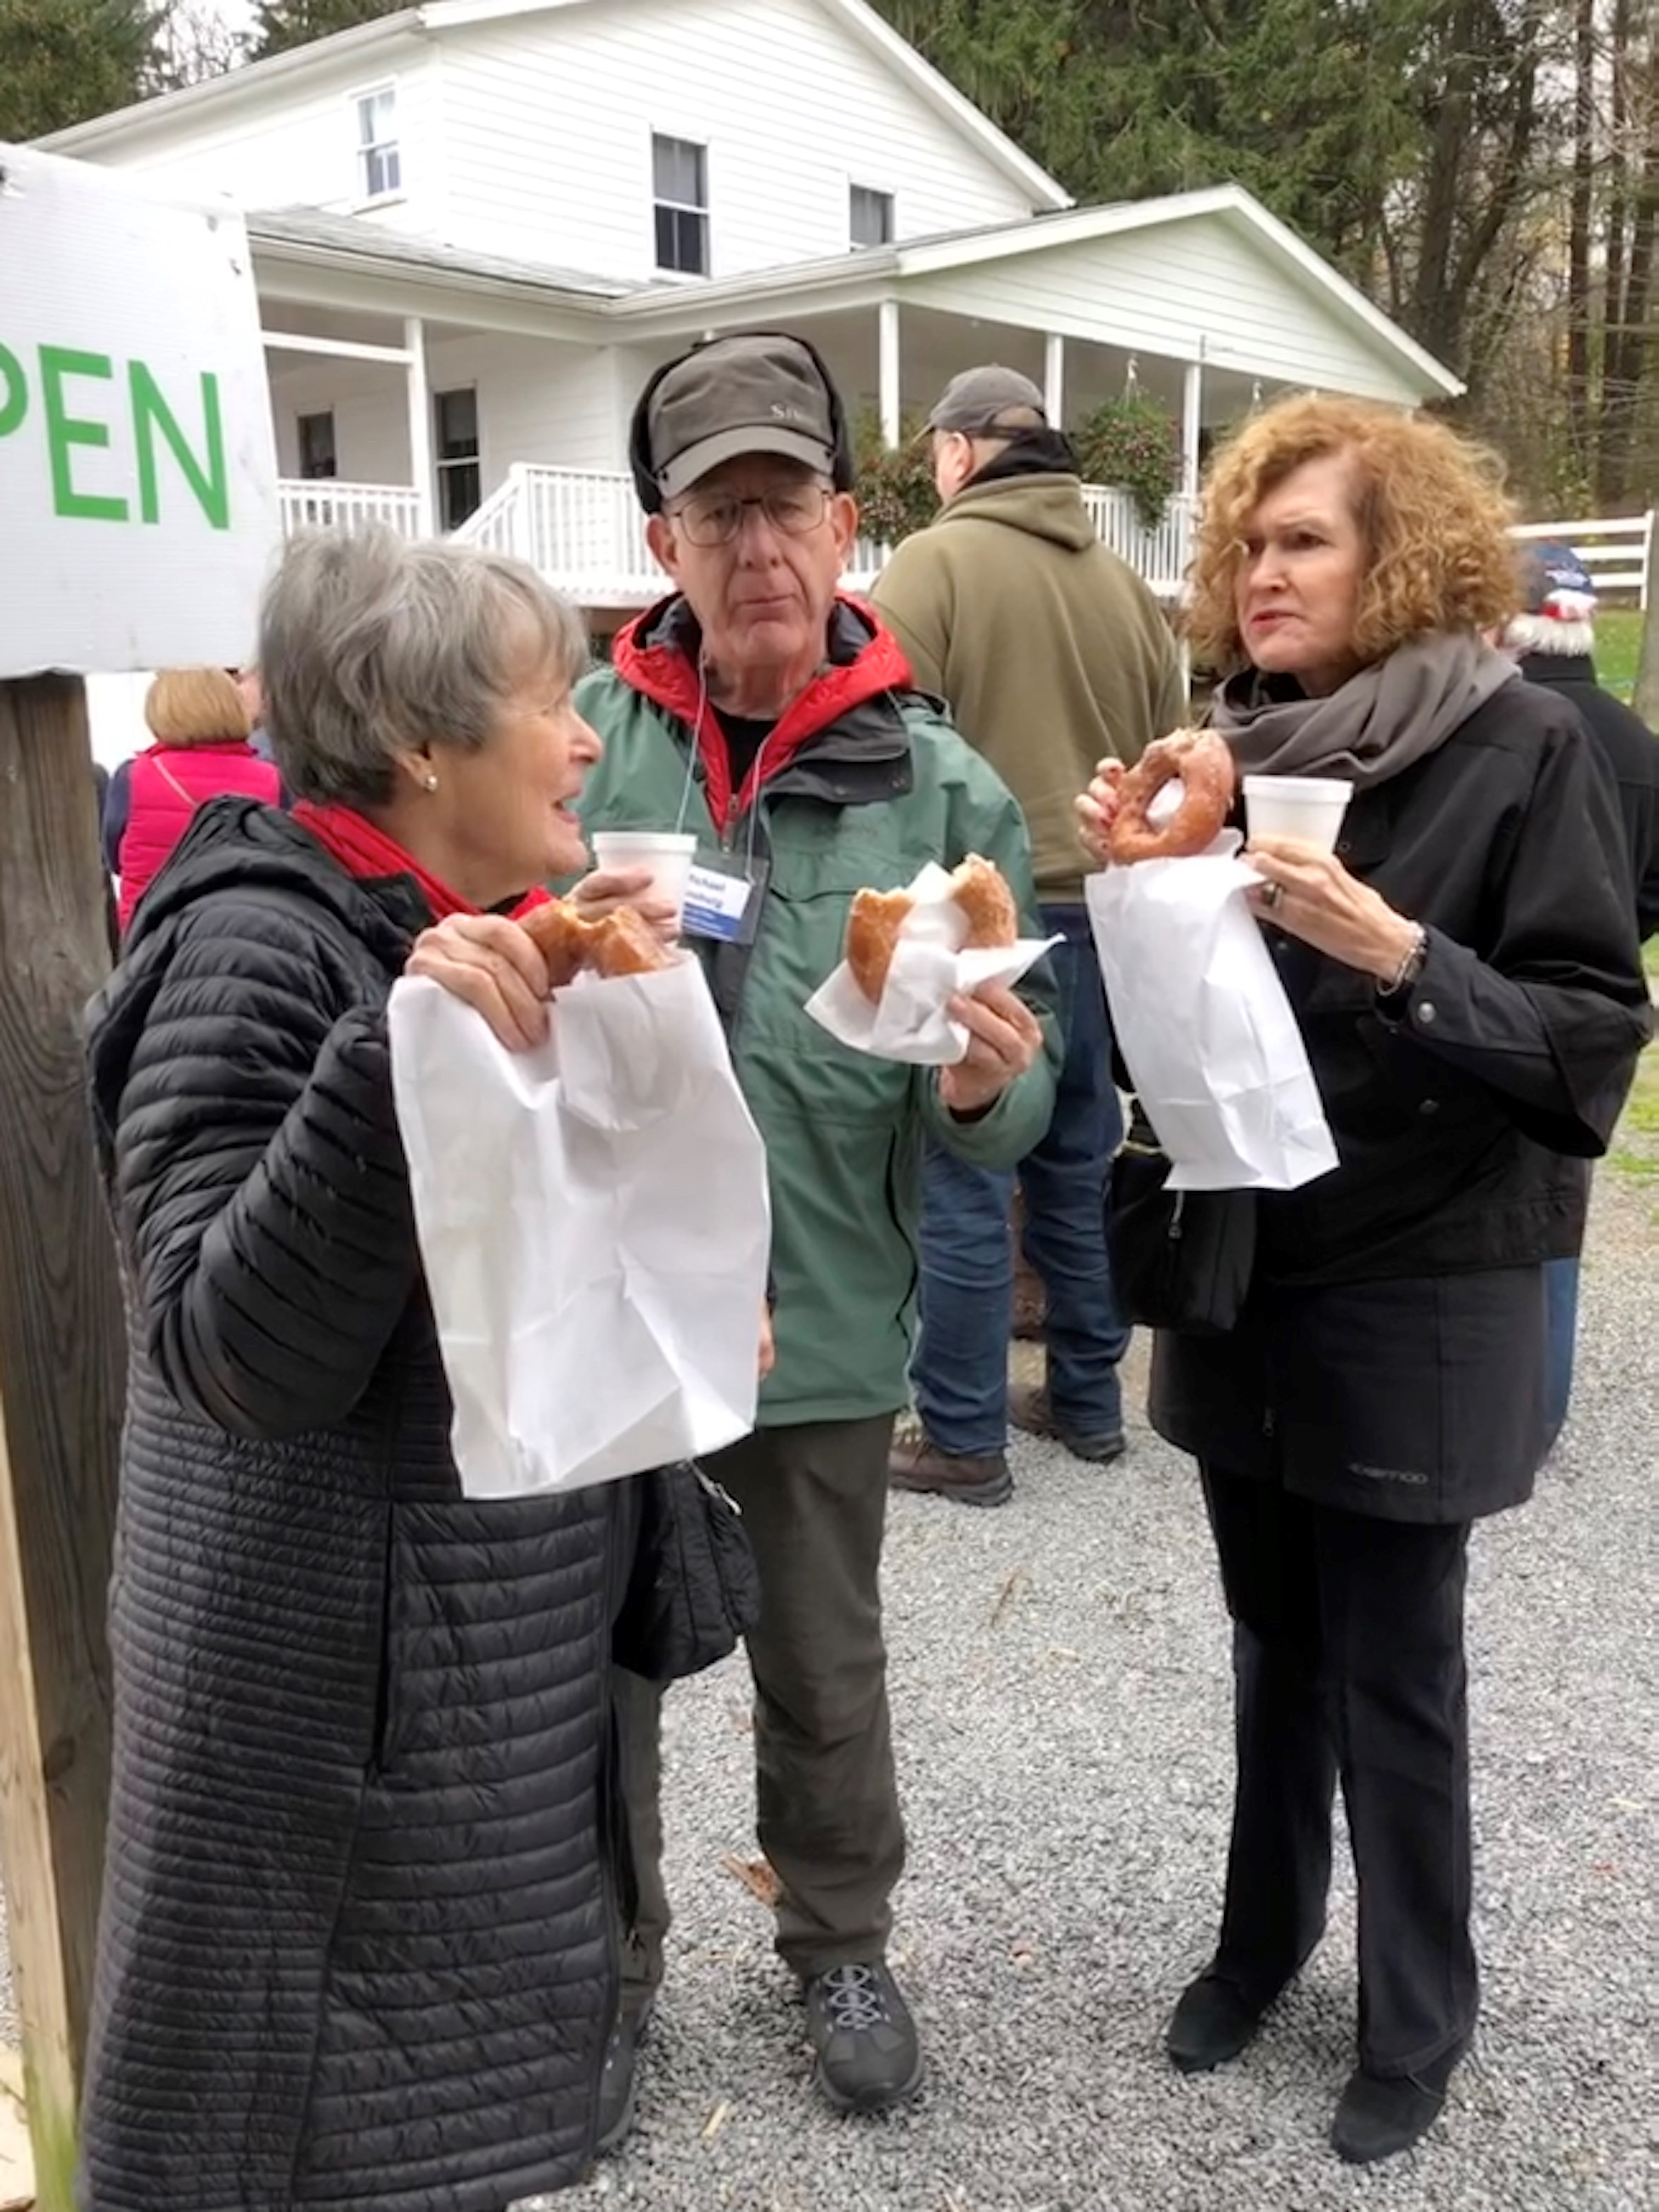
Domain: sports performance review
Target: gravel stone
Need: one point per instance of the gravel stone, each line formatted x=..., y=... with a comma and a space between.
x=1061, y=1697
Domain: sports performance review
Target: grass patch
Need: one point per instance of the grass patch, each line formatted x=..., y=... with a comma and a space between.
x=1634, y=1152
x=1618, y=649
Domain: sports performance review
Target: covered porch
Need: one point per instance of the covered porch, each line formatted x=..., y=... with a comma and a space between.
x=495, y=404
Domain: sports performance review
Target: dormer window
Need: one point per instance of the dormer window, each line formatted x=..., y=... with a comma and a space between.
x=380, y=164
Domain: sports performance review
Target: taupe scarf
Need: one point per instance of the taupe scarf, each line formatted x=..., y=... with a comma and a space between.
x=1375, y=725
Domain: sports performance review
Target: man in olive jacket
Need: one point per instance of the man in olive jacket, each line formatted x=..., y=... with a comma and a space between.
x=776, y=720
x=1052, y=655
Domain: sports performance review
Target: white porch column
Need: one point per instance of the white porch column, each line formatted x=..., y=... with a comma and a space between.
x=420, y=424
x=1192, y=418
x=1054, y=379
x=888, y=385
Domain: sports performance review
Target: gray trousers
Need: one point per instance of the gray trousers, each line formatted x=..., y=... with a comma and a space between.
x=814, y=1502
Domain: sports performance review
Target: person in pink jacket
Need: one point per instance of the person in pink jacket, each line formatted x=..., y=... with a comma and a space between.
x=201, y=725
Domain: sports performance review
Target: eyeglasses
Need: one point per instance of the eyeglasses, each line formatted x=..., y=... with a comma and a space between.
x=796, y=510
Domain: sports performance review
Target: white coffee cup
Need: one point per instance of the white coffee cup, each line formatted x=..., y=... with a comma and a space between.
x=667, y=853
x=1309, y=807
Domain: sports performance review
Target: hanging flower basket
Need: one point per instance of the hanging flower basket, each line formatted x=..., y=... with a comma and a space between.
x=1132, y=443
x=895, y=484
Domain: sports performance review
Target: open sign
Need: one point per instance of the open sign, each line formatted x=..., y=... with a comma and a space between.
x=138, y=469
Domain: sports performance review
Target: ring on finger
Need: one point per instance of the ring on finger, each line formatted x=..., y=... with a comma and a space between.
x=1272, y=895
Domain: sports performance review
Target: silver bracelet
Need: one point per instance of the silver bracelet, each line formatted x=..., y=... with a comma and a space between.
x=1411, y=964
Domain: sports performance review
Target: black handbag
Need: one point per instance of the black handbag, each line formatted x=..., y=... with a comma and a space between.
x=694, y=1589
x=1181, y=1259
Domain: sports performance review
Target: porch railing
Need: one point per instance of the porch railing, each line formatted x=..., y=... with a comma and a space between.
x=583, y=530
x=325, y=503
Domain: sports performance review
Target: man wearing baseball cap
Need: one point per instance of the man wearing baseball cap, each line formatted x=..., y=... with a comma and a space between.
x=1553, y=638
x=1052, y=655
x=759, y=708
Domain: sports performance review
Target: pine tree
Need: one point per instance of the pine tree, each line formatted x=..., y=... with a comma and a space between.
x=280, y=24
x=62, y=61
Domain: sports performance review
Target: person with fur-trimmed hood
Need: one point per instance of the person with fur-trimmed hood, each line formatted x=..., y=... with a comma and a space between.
x=1553, y=638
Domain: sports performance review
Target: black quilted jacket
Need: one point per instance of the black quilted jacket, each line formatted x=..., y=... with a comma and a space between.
x=356, y=1945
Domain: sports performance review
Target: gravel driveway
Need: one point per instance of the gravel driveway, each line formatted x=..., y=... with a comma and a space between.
x=1061, y=1695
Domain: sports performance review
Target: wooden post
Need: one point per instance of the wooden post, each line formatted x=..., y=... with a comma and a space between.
x=61, y=1389
x=1645, y=697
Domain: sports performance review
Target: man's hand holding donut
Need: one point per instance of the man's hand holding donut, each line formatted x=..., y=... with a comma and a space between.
x=1003, y=1038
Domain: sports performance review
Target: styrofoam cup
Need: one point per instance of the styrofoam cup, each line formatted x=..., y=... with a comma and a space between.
x=1309, y=807
x=667, y=853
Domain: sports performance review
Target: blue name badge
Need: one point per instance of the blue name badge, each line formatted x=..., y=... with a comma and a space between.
x=723, y=898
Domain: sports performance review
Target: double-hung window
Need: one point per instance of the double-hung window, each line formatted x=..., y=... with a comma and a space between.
x=680, y=184
x=380, y=163
x=455, y=419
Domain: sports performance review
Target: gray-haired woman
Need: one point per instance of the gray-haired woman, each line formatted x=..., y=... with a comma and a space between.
x=355, y=1942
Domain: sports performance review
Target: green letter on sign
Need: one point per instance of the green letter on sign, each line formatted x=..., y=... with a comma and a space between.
x=64, y=431
x=14, y=405
x=150, y=413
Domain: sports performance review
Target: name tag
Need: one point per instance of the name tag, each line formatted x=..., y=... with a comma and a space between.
x=723, y=898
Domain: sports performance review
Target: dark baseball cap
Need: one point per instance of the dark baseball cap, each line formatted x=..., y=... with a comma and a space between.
x=755, y=392
x=1552, y=572
x=975, y=400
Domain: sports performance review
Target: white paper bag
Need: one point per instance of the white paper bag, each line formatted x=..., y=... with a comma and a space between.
x=1204, y=1025
x=593, y=1220
x=929, y=966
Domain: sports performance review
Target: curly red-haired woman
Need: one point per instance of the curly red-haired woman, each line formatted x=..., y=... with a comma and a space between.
x=1465, y=970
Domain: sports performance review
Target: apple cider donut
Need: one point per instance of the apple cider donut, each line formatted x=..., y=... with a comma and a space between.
x=620, y=944
x=876, y=918
x=1201, y=760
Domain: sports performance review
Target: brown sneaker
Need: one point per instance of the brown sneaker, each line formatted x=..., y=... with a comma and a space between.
x=1029, y=1409
x=972, y=1477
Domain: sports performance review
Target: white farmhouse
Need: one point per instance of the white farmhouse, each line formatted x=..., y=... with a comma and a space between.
x=478, y=226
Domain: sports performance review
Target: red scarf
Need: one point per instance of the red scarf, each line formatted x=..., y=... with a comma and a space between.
x=371, y=856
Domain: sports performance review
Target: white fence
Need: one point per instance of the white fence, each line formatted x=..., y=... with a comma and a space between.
x=582, y=528
x=1615, y=550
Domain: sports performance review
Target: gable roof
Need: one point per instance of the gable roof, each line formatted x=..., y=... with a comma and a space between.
x=253, y=79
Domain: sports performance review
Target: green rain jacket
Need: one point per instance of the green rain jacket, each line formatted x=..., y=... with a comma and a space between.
x=860, y=782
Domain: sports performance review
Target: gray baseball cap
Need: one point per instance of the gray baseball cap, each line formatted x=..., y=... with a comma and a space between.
x=757, y=392
x=974, y=400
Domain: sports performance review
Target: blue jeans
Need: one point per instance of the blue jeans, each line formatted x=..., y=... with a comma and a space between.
x=960, y=1370
x=1561, y=1314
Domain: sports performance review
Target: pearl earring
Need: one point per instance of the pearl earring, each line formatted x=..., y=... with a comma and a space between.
x=431, y=782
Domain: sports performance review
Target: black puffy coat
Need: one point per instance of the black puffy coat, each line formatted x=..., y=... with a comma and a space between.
x=357, y=1946
x=1389, y=1358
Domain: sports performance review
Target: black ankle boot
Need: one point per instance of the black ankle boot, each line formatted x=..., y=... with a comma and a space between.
x=1378, y=2118
x=1213, y=2021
